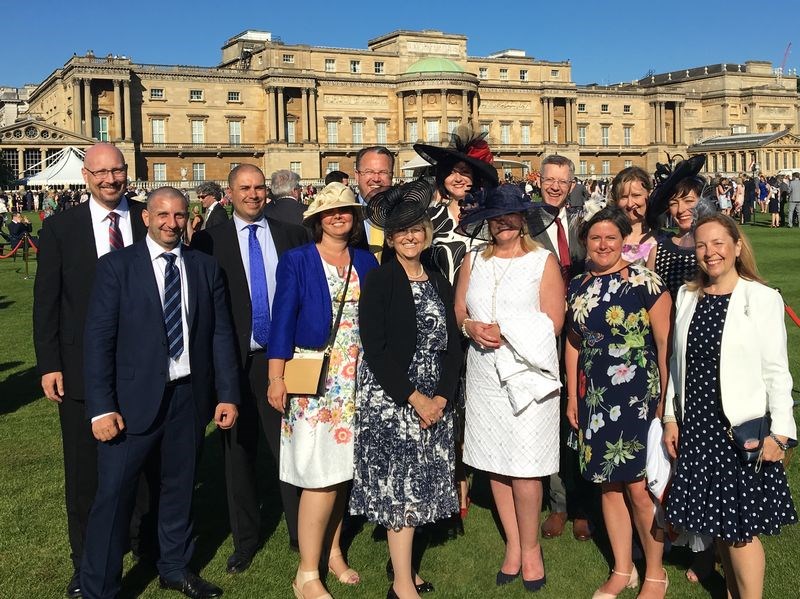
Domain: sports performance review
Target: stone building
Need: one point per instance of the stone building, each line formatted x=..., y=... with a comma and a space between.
x=311, y=108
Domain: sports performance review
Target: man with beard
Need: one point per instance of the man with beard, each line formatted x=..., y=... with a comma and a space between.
x=557, y=180
x=70, y=243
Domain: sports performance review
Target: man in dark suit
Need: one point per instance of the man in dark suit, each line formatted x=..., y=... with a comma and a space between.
x=374, y=171
x=18, y=228
x=159, y=342
x=70, y=243
x=250, y=234
x=209, y=193
x=285, y=206
x=557, y=180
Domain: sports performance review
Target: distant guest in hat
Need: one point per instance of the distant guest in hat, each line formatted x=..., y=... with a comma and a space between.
x=510, y=304
x=404, y=449
x=314, y=282
x=677, y=194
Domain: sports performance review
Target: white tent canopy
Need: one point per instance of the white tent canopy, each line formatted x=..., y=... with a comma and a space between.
x=65, y=169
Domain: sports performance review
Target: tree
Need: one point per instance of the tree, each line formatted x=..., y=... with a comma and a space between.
x=7, y=177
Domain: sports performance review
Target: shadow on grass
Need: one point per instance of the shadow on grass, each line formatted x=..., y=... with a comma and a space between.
x=19, y=389
x=5, y=303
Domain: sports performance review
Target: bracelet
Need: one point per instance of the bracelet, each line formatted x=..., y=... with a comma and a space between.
x=464, y=327
x=778, y=442
x=276, y=378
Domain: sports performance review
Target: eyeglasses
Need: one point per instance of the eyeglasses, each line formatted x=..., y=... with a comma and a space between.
x=202, y=196
x=560, y=182
x=102, y=173
x=371, y=173
x=411, y=231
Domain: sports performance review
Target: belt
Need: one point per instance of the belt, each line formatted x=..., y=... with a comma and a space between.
x=184, y=380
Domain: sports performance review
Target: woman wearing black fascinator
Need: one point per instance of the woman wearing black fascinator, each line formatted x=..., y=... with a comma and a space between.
x=404, y=449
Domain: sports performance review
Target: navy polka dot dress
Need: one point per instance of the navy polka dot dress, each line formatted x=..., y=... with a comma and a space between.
x=713, y=493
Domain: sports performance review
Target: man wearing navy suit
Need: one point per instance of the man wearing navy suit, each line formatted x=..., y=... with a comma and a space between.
x=70, y=243
x=210, y=193
x=251, y=242
x=158, y=343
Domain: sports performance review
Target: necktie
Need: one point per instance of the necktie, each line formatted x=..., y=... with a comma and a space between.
x=563, y=250
x=173, y=321
x=259, y=297
x=375, y=241
x=114, y=234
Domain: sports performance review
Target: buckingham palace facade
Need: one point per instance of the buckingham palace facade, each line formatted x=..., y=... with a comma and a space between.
x=310, y=109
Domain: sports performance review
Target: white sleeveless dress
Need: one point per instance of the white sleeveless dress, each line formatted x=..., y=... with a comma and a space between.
x=495, y=440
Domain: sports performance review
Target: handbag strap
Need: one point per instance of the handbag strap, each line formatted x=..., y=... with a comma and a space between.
x=336, y=322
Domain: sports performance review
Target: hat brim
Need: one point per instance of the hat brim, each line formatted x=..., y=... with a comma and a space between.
x=399, y=206
x=320, y=209
x=658, y=203
x=443, y=156
x=538, y=215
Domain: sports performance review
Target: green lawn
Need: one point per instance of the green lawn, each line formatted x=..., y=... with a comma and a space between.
x=33, y=541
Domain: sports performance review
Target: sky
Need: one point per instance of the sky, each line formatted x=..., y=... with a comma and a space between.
x=606, y=42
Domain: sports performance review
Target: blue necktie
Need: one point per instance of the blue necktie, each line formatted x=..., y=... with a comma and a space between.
x=173, y=321
x=259, y=297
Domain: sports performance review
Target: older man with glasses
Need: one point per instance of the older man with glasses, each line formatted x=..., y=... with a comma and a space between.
x=569, y=493
x=374, y=170
x=209, y=194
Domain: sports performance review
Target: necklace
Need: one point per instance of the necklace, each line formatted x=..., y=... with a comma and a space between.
x=417, y=276
x=497, y=281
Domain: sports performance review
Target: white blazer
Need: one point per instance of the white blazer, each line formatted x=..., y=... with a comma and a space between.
x=754, y=366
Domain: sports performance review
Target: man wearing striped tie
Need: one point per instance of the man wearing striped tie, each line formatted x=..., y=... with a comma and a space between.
x=159, y=342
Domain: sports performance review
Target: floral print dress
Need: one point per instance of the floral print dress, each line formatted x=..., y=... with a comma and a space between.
x=317, y=431
x=618, y=379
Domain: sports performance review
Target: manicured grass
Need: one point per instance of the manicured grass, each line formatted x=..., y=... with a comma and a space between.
x=34, y=552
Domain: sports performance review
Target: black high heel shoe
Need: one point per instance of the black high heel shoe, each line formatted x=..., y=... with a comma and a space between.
x=504, y=579
x=535, y=585
x=423, y=587
x=390, y=594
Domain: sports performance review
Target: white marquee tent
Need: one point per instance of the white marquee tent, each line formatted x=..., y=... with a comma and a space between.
x=65, y=169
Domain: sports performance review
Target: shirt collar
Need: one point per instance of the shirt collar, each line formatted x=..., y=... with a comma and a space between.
x=100, y=212
x=156, y=250
x=241, y=225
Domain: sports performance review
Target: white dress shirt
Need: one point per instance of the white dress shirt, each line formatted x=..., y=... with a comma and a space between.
x=552, y=231
x=100, y=223
x=268, y=251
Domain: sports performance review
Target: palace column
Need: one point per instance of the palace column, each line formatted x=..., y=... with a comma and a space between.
x=464, y=106
x=752, y=110
x=419, y=116
x=270, y=105
x=725, y=115
x=678, y=122
x=76, y=105
x=546, y=120
x=569, y=119
x=87, y=108
x=304, y=115
x=281, y=116
x=118, y=109
x=126, y=105
x=401, y=119
x=20, y=163
x=444, y=113
x=312, y=116
x=475, y=111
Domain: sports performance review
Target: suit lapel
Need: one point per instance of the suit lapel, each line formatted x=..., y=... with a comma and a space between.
x=279, y=237
x=192, y=280
x=144, y=272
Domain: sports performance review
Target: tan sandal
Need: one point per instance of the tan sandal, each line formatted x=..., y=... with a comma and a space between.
x=633, y=582
x=302, y=579
x=664, y=581
x=349, y=577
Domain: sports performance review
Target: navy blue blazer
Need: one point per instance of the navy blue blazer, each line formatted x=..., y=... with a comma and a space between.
x=302, y=313
x=125, y=346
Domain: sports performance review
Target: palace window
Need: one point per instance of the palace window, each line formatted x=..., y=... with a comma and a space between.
x=199, y=171
x=525, y=134
x=554, y=73
x=11, y=160
x=159, y=131
x=380, y=132
x=379, y=67
x=101, y=127
x=358, y=132
x=198, y=131
x=504, y=74
x=505, y=133
x=234, y=132
x=523, y=74
x=604, y=135
x=432, y=130
x=355, y=66
x=291, y=135
x=330, y=65
x=332, y=166
x=333, y=132
x=603, y=107
x=234, y=96
x=582, y=167
x=485, y=128
x=32, y=159
x=296, y=167
x=626, y=135
x=626, y=108
x=452, y=125
x=483, y=73
x=606, y=167
x=159, y=171
x=628, y=163
x=581, y=107
x=582, y=135
x=413, y=133
x=195, y=95
x=288, y=58
x=156, y=93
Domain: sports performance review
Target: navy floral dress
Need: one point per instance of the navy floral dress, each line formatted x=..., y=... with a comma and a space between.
x=404, y=475
x=618, y=380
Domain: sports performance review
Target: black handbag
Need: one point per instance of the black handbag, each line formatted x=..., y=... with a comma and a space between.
x=748, y=438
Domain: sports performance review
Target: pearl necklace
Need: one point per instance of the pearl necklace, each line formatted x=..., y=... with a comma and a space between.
x=417, y=276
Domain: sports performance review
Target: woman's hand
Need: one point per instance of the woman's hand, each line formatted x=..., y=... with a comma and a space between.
x=486, y=335
x=276, y=394
x=670, y=438
x=770, y=452
x=572, y=412
x=427, y=409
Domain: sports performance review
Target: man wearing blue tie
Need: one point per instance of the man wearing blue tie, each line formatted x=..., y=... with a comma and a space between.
x=158, y=343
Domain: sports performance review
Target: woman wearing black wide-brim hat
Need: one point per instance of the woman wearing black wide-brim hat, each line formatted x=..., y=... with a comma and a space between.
x=510, y=304
x=404, y=449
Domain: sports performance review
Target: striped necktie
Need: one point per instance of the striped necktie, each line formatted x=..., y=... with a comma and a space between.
x=173, y=320
x=114, y=234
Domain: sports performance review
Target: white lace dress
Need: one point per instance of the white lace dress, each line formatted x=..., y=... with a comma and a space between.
x=495, y=440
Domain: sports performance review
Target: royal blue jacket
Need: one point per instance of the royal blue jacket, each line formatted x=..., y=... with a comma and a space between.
x=302, y=313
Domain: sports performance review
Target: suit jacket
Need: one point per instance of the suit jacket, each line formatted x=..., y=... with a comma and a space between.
x=16, y=231
x=126, y=355
x=64, y=278
x=303, y=311
x=217, y=216
x=387, y=323
x=577, y=253
x=286, y=210
x=223, y=243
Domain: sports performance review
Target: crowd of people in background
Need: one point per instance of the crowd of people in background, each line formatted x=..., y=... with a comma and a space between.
x=574, y=342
